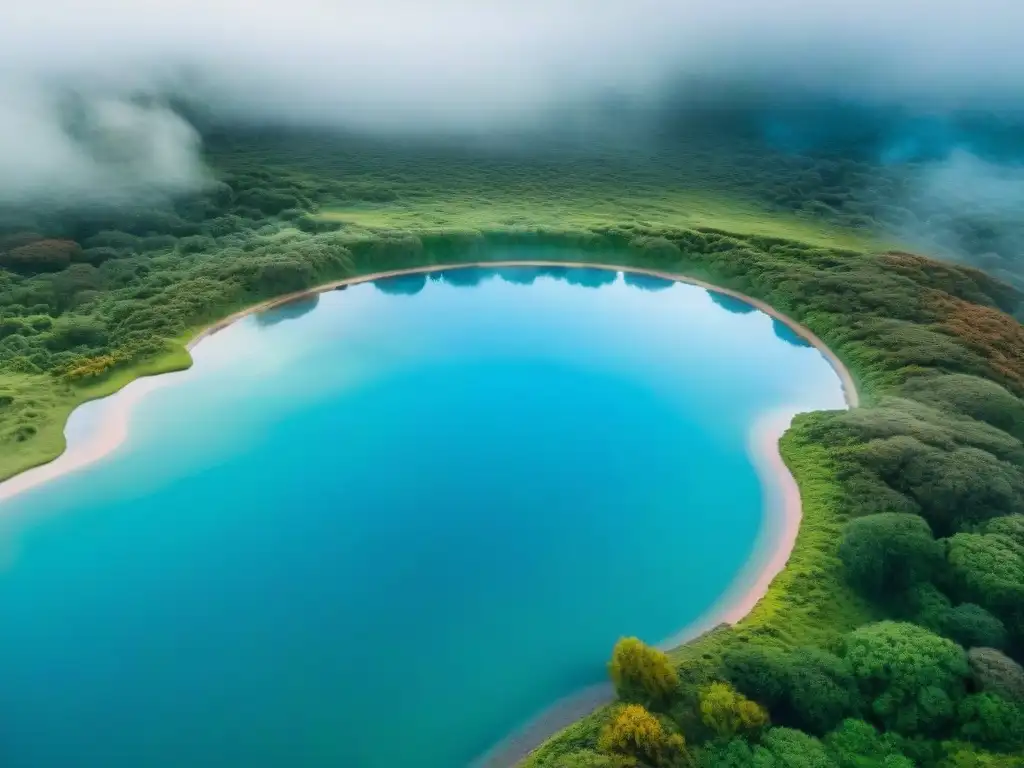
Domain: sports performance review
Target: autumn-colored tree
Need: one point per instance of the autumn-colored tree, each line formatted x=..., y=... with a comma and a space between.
x=637, y=733
x=727, y=712
x=642, y=673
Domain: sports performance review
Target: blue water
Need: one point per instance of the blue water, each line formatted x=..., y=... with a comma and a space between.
x=385, y=526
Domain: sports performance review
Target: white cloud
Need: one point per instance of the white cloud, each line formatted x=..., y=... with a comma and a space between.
x=455, y=64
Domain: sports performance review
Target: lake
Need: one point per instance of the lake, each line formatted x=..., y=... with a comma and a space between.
x=386, y=525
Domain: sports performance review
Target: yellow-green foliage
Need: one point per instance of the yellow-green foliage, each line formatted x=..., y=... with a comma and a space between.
x=641, y=673
x=637, y=733
x=728, y=713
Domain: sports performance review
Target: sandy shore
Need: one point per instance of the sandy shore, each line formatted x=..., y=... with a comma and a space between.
x=98, y=428
x=782, y=514
x=86, y=446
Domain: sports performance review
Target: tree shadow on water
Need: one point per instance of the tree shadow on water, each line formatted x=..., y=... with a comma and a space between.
x=731, y=304
x=647, y=282
x=401, y=285
x=788, y=335
x=290, y=310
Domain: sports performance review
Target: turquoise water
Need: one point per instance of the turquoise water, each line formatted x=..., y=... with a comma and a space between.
x=385, y=526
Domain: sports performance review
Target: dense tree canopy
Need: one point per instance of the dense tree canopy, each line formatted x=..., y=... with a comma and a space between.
x=912, y=678
x=887, y=553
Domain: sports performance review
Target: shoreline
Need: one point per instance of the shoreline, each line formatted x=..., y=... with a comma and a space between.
x=79, y=453
x=780, y=492
x=783, y=513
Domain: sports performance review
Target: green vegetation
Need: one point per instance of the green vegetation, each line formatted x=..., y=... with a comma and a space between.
x=895, y=634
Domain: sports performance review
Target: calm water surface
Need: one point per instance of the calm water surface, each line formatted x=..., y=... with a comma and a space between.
x=385, y=526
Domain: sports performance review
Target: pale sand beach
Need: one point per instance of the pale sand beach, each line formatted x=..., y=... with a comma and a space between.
x=96, y=429
x=782, y=514
x=86, y=446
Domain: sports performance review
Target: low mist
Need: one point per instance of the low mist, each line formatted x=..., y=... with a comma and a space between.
x=87, y=89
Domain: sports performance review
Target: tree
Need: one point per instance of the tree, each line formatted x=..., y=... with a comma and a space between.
x=988, y=569
x=759, y=672
x=972, y=396
x=822, y=690
x=994, y=672
x=806, y=688
x=991, y=721
x=887, y=553
x=912, y=678
x=729, y=713
x=635, y=732
x=972, y=626
x=856, y=744
x=1011, y=526
x=794, y=749
x=735, y=754
x=642, y=673
x=961, y=486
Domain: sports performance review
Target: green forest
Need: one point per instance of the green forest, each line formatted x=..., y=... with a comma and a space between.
x=895, y=635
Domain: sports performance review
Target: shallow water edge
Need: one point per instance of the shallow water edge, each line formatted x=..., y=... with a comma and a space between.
x=114, y=410
x=97, y=428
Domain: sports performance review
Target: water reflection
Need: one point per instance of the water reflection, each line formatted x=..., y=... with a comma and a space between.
x=290, y=310
x=731, y=304
x=647, y=282
x=465, y=277
x=788, y=335
x=591, y=277
x=520, y=275
x=401, y=285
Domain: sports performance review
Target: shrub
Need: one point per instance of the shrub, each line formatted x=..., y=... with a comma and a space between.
x=912, y=678
x=884, y=554
x=991, y=721
x=635, y=732
x=642, y=673
x=856, y=744
x=972, y=626
x=806, y=688
x=728, y=713
x=994, y=672
x=988, y=569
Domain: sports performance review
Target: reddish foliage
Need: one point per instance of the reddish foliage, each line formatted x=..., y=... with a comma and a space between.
x=957, y=280
x=994, y=335
x=41, y=255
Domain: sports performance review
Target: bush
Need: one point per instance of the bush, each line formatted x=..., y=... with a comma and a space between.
x=856, y=744
x=728, y=713
x=972, y=626
x=953, y=488
x=991, y=721
x=642, y=673
x=794, y=749
x=996, y=673
x=806, y=688
x=978, y=398
x=635, y=732
x=911, y=678
x=988, y=569
x=1011, y=526
x=71, y=332
x=887, y=553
